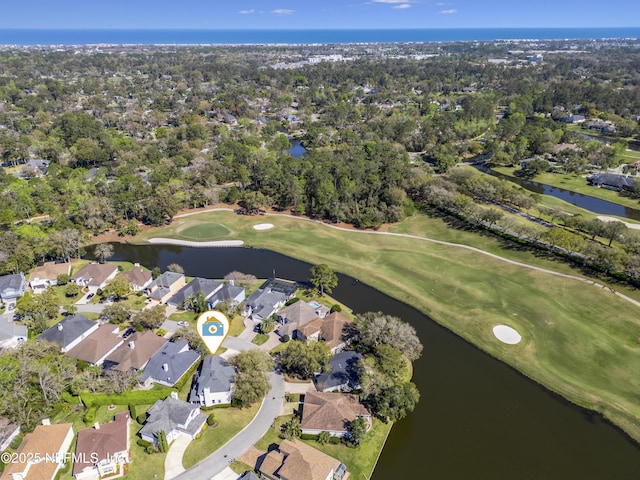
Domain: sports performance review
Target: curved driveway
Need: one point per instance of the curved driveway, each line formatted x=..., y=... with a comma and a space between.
x=269, y=410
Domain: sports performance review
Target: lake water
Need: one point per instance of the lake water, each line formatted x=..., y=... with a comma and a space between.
x=296, y=149
x=596, y=205
x=477, y=417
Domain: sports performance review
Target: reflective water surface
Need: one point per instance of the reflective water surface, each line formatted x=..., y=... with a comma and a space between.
x=477, y=417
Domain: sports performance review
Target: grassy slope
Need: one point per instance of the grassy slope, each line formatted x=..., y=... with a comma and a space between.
x=578, y=340
x=577, y=183
x=230, y=422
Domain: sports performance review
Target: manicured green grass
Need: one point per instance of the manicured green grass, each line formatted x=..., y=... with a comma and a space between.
x=360, y=462
x=236, y=326
x=260, y=339
x=144, y=466
x=577, y=183
x=135, y=302
x=203, y=231
x=579, y=340
x=183, y=316
x=230, y=422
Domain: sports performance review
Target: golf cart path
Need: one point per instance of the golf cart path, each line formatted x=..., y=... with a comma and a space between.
x=442, y=242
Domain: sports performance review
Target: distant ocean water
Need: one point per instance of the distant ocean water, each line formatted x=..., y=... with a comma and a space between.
x=221, y=37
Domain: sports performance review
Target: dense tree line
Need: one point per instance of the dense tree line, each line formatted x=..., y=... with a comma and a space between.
x=135, y=136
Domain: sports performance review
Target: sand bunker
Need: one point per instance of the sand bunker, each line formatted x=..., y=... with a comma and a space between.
x=263, y=226
x=506, y=334
x=188, y=243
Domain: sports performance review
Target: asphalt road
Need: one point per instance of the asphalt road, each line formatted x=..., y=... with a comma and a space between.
x=221, y=458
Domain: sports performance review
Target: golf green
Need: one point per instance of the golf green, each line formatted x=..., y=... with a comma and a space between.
x=204, y=231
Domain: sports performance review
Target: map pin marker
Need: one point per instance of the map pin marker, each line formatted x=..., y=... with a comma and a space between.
x=213, y=328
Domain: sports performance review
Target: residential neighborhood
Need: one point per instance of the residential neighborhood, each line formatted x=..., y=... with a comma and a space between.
x=158, y=352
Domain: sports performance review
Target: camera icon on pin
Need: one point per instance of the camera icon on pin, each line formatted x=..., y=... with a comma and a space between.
x=212, y=328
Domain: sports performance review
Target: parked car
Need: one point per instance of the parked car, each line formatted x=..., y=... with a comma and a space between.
x=90, y=296
x=128, y=332
x=182, y=323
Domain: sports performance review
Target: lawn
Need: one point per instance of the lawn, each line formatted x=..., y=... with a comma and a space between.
x=576, y=183
x=230, y=422
x=260, y=339
x=579, y=340
x=144, y=466
x=236, y=325
x=360, y=462
x=183, y=316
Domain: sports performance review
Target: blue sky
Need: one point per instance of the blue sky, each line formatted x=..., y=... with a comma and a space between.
x=306, y=14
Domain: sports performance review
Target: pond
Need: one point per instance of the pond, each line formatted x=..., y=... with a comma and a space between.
x=296, y=150
x=477, y=418
x=596, y=205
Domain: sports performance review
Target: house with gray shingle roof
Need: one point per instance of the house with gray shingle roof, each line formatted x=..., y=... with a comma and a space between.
x=204, y=285
x=70, y=331
x=173, y=417
x=228, y=293
x=611, y=181
x=12, y=287
x=213, y=385
x=169, y=364
x=266, y=300
x=249, y=475
x=165, y=286
x=343, y=374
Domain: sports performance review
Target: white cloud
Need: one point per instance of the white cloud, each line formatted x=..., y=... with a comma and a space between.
x=448, y=12
x=402, y=6
x=247, y=12
x=282, y=11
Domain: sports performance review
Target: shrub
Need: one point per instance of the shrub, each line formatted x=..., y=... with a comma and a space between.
x=141, y=418
x=336, y=308
x=188, y=375
x=211, y=419
x=161, y=332
x=309, y=436
x=134, y=397
x=67, y=397
x=285, y=338
x=144, y=443
x=90, y=415
x=324, y=437
x=15, y=443
x=334, y=440
x=292, y=301
x=151, y=449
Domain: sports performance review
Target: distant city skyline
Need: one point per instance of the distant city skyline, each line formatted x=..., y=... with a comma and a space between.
x=312, y=14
